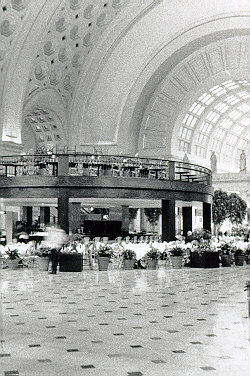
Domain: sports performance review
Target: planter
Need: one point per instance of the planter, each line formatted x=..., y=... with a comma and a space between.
x=2, y=263
x=239, y=260
x=152, y=264
x=204, y=260
x=226, y=260
x=162, y=263
x=43, y=263
x=176, y=262
x=70, y=262
x=13, y=264
x=103, y=263
x=128, y=264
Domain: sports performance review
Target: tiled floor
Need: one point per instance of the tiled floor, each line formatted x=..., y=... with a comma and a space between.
x=165, y=322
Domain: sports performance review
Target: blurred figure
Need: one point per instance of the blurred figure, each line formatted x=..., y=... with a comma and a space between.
x=55, y=239
x=189, y=237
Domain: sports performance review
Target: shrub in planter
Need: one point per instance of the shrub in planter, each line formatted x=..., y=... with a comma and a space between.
x=129, y=258
x=176, y=256
x=225, y=254
x=13, y=260
x=152, y=257
x=104, y=254
x=247, y=256
x=43, y=258
x=239, y=257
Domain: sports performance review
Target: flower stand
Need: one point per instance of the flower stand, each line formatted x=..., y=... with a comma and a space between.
x=176, y=262
x=70, y=262
x=103, y=263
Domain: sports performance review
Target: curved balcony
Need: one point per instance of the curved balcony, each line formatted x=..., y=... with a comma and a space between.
x=103, y=165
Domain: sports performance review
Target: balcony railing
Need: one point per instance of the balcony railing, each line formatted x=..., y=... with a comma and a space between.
x=103, y=165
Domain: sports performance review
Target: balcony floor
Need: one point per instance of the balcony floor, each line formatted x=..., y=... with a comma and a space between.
x=154, y=323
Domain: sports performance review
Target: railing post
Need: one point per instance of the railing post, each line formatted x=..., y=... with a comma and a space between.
x=171, y=170
x=63, y=165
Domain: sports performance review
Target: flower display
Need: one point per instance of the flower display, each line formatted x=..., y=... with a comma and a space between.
x=128, y=254
x=104, y=250
x=153, y=254
x=12, y=254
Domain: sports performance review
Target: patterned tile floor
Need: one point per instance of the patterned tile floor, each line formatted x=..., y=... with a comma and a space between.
x=139, y=322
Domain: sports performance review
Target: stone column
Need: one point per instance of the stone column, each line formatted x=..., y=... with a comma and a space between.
x=125, y=220
x=28, y=214
x=74, y=216
x=168, y=220
x=207, y=216
x=9, y=222
x=45, y=214
x=187, y=219
x=63, y=210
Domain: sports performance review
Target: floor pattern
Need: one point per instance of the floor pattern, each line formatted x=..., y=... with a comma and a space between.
x=117, y=323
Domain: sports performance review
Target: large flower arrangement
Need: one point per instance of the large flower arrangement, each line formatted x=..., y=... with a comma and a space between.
x=202, y=241
x=104, y=250
x=153, y=254
x=128, y=254
x=12, y=254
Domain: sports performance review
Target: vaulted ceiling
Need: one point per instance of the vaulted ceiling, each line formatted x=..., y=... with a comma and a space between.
x=158, y=77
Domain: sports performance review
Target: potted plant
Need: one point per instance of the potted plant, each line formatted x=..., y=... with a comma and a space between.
x=42, y=260
x=176, y=256
x=129, y=258
x=247, y=255
x=152, y=257
x=70, y=259
x=13, y=259
x=104, y=253
x=239, y=257
x=203, y=255
x=225, y=254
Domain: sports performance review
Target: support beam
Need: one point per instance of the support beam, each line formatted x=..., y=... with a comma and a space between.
x=207, y=217
x=187, y=219
x=168, y=220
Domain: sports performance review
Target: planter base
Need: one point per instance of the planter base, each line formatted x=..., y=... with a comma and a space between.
x=103, y=263
x=204, y=260
x=70, y=263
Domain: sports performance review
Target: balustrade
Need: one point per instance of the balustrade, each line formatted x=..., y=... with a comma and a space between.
x=77, y=164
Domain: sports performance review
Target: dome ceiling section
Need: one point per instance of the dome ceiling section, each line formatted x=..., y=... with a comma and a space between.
x=46, y=128
x=166, y=114
x=216, y=113
x=72, y=34
x=12, y=13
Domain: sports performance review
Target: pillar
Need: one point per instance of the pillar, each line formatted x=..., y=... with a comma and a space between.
x=187, y=219
x=74, y=216
x=9, y=221
x=207, y=216
x=125, y=220
x=28, y=215
x=63, y=165
x=168, y=220
x=63, y=211
x=45, y=214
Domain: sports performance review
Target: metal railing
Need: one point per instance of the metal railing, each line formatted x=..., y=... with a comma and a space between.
x=79, y=164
